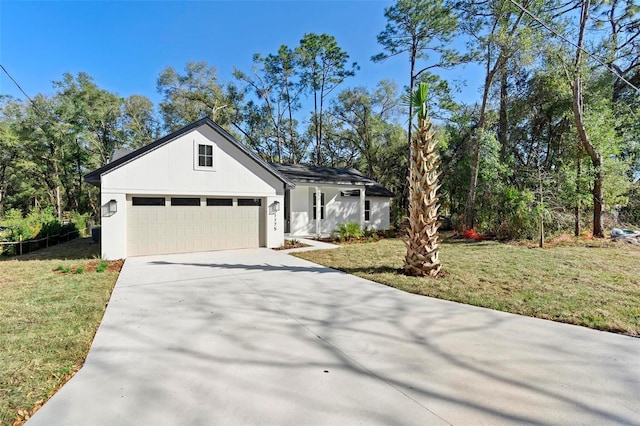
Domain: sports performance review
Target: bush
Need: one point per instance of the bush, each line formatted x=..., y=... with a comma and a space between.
x=39, y=223
x=472, y=234
x=102, y=266
x=369, y=232
x=518, y=220
x=80, y=222
x=349, y=230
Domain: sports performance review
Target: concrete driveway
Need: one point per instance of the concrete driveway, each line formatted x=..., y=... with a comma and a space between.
x=260, y=337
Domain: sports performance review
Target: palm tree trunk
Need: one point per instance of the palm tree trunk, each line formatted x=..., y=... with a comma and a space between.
x=422, y=257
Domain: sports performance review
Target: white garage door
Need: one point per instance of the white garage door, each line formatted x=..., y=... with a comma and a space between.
x=158, y=225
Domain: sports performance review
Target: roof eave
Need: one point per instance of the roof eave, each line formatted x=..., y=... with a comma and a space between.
x=323, y=182
x=92, y=180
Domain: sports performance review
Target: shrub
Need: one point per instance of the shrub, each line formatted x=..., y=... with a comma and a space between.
x=80, y=222
x=349, y=230
x=38, y=224
x=369, y=232
x=472, y=234
x=102, y=266
x=18, y=225
x=518, y=219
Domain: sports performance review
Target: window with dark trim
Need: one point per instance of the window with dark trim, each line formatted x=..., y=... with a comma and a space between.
x=367, y=210
x=205, y=155
x=185, y=201
x=148, y=201
x=219, y=201
x=249, y=202
x=321, y=205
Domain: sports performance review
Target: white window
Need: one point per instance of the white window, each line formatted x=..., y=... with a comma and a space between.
x=367, y=210
x=321, y=206
x=203, y=156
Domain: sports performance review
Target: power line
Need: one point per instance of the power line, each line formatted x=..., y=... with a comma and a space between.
x=15, y=82
x=566, y=40
x=33, y=104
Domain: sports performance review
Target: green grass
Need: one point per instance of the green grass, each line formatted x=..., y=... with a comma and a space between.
x=595, y=285
x=52, y=302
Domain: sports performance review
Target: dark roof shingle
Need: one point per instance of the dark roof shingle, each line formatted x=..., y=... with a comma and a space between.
x=301, y=173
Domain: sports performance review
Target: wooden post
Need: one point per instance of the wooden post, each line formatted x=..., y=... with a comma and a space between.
x=20, y=244
x=46, y=244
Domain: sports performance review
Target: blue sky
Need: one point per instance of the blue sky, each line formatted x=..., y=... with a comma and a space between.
x=124, y=45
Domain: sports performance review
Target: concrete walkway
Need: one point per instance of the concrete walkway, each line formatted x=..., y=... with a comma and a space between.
x=261, y=337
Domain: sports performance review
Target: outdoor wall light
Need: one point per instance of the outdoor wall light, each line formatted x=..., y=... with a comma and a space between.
x=110, y=208
x=274, y=207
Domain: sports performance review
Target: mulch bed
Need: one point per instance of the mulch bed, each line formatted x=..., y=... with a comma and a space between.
x=288, y=244
x=92, y=266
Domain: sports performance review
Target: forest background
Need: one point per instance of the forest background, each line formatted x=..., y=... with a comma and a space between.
x=553, y=137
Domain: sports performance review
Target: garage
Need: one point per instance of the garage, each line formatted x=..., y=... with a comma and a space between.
x=196, y=189
x=162, y=225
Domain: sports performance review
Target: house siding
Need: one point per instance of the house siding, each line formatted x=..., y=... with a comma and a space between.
x=338, y=209
x=169, y=170
x=379, y=215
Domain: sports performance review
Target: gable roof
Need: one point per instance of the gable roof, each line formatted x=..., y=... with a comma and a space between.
x=301, y=173
x=121, y=157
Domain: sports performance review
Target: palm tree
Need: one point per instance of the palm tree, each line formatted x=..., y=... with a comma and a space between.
x=422, y=244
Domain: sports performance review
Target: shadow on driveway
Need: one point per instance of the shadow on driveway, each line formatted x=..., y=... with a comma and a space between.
x=264, y=338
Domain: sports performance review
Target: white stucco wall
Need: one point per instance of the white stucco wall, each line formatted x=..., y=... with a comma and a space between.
x=169, y=170
x=338, y=209
x=301, y=214
x=114, y=228
x=379, y=217
x=274, y=222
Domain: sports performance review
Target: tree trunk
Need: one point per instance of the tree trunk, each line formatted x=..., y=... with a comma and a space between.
x=540, y=204
x=503, y=119
x=317, y=128
x=293, y=151
x=596, y=160
x=422, y=258
x=80, y=177
x=3, y=188
x=279, y=143
x=58, y=204
x=598, y=204
x=576, y=230
x=412, y=81
x=470, y=208
x=499, y=65
x=578, y=114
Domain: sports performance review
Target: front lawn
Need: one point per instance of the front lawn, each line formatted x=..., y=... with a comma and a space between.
x=595, y=285
x=51, y=303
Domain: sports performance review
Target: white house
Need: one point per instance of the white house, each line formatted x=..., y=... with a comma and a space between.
x=199, y=189
x=325, y=197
